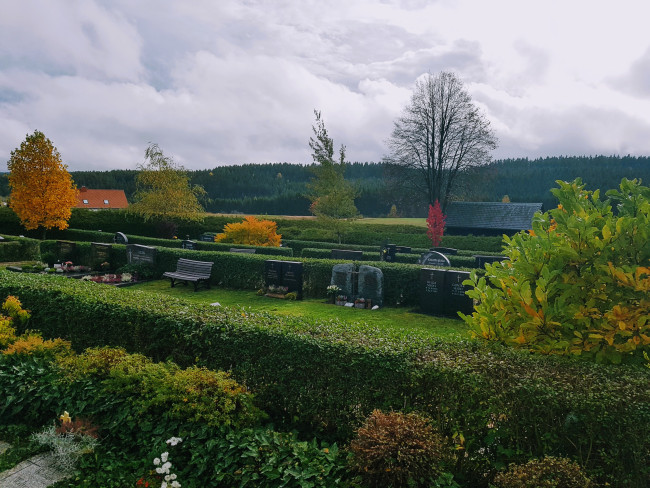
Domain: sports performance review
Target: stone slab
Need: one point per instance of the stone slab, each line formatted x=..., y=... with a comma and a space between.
x=36, y=472
x=371, y=284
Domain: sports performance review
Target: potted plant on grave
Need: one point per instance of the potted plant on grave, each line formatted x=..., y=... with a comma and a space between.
x=332, y=292
x=360, y=303
x=341, y=300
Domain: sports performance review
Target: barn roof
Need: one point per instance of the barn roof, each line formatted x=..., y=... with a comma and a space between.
x=491, y=215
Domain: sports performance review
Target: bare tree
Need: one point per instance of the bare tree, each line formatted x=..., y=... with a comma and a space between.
x=440, y=133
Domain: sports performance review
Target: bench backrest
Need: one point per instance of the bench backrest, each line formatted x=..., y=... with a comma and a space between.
x=189, y=266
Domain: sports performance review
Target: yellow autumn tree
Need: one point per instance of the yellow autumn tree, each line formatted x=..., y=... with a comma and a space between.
x=251, y=231
x=42, y=190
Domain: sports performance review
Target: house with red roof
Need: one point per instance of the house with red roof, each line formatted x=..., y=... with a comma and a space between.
x=101, y=199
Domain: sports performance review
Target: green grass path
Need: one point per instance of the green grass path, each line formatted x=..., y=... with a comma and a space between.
x=400, y=319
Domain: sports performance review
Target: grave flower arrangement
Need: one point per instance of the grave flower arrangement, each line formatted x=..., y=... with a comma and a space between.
x=110, y=278
x=360, y=303
x=332, y=292
x=341, y=299
x=277, y=289
x=69, y=267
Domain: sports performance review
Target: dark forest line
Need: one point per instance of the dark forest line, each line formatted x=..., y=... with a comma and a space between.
x=280, y=188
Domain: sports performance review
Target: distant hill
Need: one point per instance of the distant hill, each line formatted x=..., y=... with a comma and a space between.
x=279, y=188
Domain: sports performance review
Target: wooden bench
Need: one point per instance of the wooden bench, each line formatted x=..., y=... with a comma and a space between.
x=188, y=270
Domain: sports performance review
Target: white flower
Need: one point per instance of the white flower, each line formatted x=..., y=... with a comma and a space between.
x=174, y=440
x=164, y=485
x=164, y=456
x=156, y=461
x=176, y=484
x=168, y=478
x=172, y=476
x=166, y=467
x=160, y=470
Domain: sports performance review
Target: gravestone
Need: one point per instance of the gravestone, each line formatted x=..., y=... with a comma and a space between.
x=342, y=277
x=66, y=250
x=346, y=255
x=292, y=277
x=479, y=260
x=139, y=254
x=432, y=290
x=445, y=250
x=273, y=273
x=371, y=284
x=403, y=249
x=455, y=298
x=187, y=244
x=388, y=253
x=100, y=253
x=434, y=258
x=245, y=251
x=120, y=238
x=206, y=237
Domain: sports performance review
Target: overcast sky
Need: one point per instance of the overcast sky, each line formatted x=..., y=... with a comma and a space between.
x=217, y=82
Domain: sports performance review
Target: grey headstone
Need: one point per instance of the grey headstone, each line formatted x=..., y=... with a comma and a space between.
x=403, y=249
x=371, y=284
x=434, y=258
x=139, y=254
x=342, y=277
x=445, y=250
x=206, y=237
x=432, y=291
x=243, y=250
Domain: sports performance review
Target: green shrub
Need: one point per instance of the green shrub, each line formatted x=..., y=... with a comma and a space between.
x=548, y=472
x=327, y=376
x=578, y=283
x=19, y=249
x=398, y=450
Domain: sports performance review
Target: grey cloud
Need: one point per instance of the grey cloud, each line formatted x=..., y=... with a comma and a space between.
x=637, y=80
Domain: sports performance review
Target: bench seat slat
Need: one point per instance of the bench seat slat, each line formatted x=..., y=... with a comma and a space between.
x=188, y=270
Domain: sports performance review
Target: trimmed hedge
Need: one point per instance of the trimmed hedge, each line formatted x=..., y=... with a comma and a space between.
x=107, y=237
x=14, y=248
x=328, y=376
x=457, y=261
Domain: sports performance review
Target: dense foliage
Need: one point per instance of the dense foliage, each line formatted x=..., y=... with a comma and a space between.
x=251, y=231
x=500, y=405
x=578, y=282
x=435, y=224
x=42, y=191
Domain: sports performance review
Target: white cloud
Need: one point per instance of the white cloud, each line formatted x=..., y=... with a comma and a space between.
x=236, y=81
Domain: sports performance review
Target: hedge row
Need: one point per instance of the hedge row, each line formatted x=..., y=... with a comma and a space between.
x=455, y=260
x=500, y=405
x=14, y=248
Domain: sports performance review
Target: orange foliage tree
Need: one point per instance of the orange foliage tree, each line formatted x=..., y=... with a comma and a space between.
x=251, y=231
x=42, y=190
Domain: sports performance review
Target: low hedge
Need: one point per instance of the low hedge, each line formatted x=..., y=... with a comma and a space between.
x=500, y=405
x=457, y=261
x=107, y=237
x=14, y=248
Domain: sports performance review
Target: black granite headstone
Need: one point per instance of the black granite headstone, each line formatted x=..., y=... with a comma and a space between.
x=432, y=290
x=120, y=238
x=66, y=250
x=455, y=298
x=403, y=249
x=479, y=260
x=388, y=253
x=206, y=237
x=139, y=254
x=100, y=252
x=187, y=244
x=292, y=276
x=346, y=255
x=273, y=273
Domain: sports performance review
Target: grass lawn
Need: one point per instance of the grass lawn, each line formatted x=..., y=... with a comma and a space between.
x=404, y=319
x=420, y=222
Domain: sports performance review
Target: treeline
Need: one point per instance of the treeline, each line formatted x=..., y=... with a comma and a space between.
x=281, y=188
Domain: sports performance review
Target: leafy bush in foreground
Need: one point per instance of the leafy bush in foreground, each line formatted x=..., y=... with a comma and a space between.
x=548, y=472
x=578, y=283
x=325, y=377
